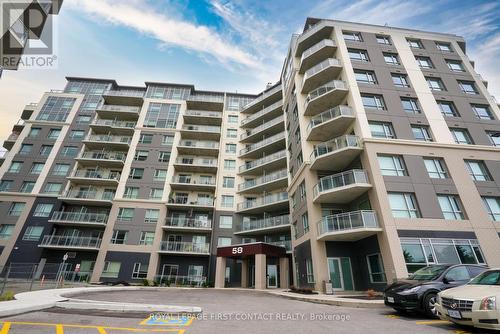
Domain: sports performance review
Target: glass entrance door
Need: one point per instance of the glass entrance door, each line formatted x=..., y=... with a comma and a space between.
x=272, y=276
x=340, y=273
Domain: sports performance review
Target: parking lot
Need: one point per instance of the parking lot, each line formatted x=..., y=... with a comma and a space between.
x=224, y=312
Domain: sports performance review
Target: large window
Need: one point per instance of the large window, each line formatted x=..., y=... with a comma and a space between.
x=16, y=208
x=37, y=168
x=482, y=111
x=492, y=205
x=392, y=165
x=376, y=268
x=382, y=39
x=111, y=269
x=478, y=170
x=455, y=65
x=352, y=36
x=52, y=188
x=400, y=80
x=125, y=214
x=119, y=237
x=5, y=185
x=373, y=101
x=229, y=164
x=435, y=84
x=305, y=223
x=226, y=221
x=448, y=109
x=421, y=132
x=391, y=58
x=56, y=109
x=6, y=231
x=367, y=77
x=60, y=170
x=309, y=271
x=27, y=187
x=168, y=93
x=152, y=216
x=223, y=241
x=451, y=207
x=227, y=201
x=468, y=87
x=442, y=46
x=494, y=137
x=162, y=115
x=381, y=130
x=415, y=43
x=43, y=210
x=146, y=238
x=424, y=62
x=140, y=270
x=358, y=55
x=15, y=167
x=404, y=205
x=33, y=233
x=131, y=192
x=436, y=168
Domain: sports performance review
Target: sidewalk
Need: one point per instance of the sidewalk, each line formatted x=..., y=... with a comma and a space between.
x=337, y=300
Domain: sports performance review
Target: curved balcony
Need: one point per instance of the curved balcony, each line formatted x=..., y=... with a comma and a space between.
x=113, y=126
x=119, y=112
x=88, y=197
x=264, y=115
x=316, y=53
x=312, y=36
x=107, y=141
x=270, y=144
x=349, y=226
x=202, y=117
x=195, y=147
x=63, y=242
x=268, y=96
x=267, y=182
x=193, y=184
x=342, y=187
x=330, y=124
x=184, y=248
x=96, y=177
x=209, y=132
x=320, y=74
x=205, y=102
x=126, y=97
x=335, y=154
x=102, y=158
x=324, y=97
x=197, y=165
x=187, y=224
x=270, y=162
x=79, y=218
x=275, y=125
x=277, y=201
x=265, y=225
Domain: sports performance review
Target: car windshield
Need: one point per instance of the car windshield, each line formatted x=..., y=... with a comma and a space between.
x=487, y=278
x=428, y=273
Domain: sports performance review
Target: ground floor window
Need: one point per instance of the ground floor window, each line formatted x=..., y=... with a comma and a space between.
x=309, y=269
x=420, y=252
x=140, y=270
x=111, y=269
x=376, y=268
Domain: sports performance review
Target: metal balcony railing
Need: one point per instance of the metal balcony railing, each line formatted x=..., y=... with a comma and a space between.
x=100, y=155
x=202, y=128
x=329, y=114
x=188, y=222
x=334, y=145
x=283, y=243
x=97, y=174
x=80, y=217
x=323, y=89
x=267, y=125
x=269, y=199
x=262, y=161
x=70, y=242
x=262, y=112
x=316, y=47
x=186, y=180
x=185, y=247
x=199, y=144
x=263, y=96
x=263, y=143
x=206, y=98
x=88, y=194
x=197, y=161
x=340, y=180
x=263, y=179
x=184, y=200
x=114, y=123
x=263, y=223
x=109, y=139
x=321, y=66
x=110, y=107
x=129, y=93
x=348, y=221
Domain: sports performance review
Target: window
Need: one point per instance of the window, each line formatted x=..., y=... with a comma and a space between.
x=305, y=222
x=232, y=133
x=27, y=187
x=227, y=201
x=156, y=193
x=6, y=231
x=400, y=80
x=77, y=134
x=60, y=170
x=232, y=119
x=160, y=175
x=367, y=77
x=43, y=210
x=45, y=150
x=140, y=270
x=131, y=192
x=391, y=58
x=451, y=207
x=435, y=84
x=136, y=173
x=358, y=55
x=381, y=130
x=410, y=105
x=492, y=205
x=141, y=155
x=421, y=132
x=352, y=36
x=468, y=87
x=455, y=65
x=424, y=62
x=56, y=109
x=69, y=151
x=164, y=157
x=145, y=138
x=162, y=115
x=376, y=268
x=15, y=167
x=152, y=216
x=448, y=109
x=15, y=209
x=34, y=132
x=382, y=39
x=482, y=111
x=461, y=136
x=119, y=237
x=222, y=241
x=25, y=149
x=494, y=137
x=373, y=101
x=167, y=140
x=309, y=271
x=37, y=167
x=478, y=170
x=33, y=233
x=52, y=188
x=111, y=269
x=5, y=185
x=231, y=148
x=446, y=47
x=403, y=205
x=125, y=214
x=302, y=191
x=392, y=165
x=226, y=221
x=436, y=168
x=229, y=164
x=83, y=119
x=414, y=43
x=54, y=133
x=146, y=238
x=228, y=182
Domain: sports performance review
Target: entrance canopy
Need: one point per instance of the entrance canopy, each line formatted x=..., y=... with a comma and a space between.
x=251, y=249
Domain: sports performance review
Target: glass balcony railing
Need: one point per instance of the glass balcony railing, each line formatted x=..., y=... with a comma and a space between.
x=199, y=144
x=328, y=115
x=321, y=66
x=263, y=143
x=89, y=194
x=203, y=113
x=340, y=180
x=97, y=174
x=265, y=223
x=262, y=127
x=114, y=123
x=185, y=247
x=184, y=201
x=206, y=98
x=335, y=145
x=348, y=221
x=283, y=243
x=201, y=128
x=127, y=93
x=332, y=85
x=266, y=200
x=192, y=181
x=70, y=242
x=80, y=217
x=188, y=222
x=263, y=161
x=263, y=96
x=109, y=139
x=100, y=155
x=281, y=174
x=316, y=47
x=261, y=113
x=110, y=107
x=197, y=162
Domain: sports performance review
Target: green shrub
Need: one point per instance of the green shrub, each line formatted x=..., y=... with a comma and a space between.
x=9, y=295
x=145, y=282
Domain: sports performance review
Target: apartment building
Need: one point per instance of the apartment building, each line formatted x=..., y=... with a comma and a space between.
x=375, y=154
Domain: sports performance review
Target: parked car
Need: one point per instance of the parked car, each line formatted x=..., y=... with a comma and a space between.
x=418, y=293
x=474, y=304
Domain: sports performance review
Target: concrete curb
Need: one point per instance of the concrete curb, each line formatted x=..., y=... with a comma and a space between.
x=329, y=300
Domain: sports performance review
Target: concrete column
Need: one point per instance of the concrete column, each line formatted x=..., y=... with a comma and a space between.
x=244, y=273
x=260, y=272
x=220, y=272
x=284, y=273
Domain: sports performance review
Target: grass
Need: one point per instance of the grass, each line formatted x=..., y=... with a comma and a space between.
x=9, y=295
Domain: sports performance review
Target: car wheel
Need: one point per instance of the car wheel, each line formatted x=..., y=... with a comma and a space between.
x=430, y=305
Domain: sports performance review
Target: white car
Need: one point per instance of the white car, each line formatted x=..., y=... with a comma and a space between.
x=475, y=304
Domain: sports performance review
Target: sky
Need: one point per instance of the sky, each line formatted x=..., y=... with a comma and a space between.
x=234, y=46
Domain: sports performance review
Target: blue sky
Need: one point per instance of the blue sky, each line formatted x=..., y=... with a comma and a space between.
x=225, y=45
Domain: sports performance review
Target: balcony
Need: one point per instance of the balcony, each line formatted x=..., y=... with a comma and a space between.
x=270, y=144
x=184, y=203
x=316, y=53
x=287, y=244
x=313, y=36
x=193, y=184
x=272, y=202
x=265, y=129
x=127, y=97
x=349, y=226
x=269, y=96
x=102, y=158
x=79, y=218
x=96, y=177
x=63, y=242
x=10, y=141
x=209, y=102
x=28, y=111
x=324, y=97
x=330, y=124
x=18, y=126
x=88, y=197
x=265, y=225
x=184, y=248
x=187, y=224
x=202, y=117
x=320, y=74
x=342, y=187
x=264, y=115
x=107, y=141
x=119, y=112
x=267, y=182
x=335, y=154
x=196, y=165
x=270, y=162
x=194, y=147
x=113, y=126
x=208, y=132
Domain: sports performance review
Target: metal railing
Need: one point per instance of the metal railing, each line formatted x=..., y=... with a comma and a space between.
x=111, y=107
x=79, y=217
x=188, y=222
x=100, y=155
x=199, y=144
x=265, y=223
x=201, y=128
x=97, y=174
x=128, y=93
x=328, y=115
x=197, y=161
x=262, y=97
x=348, y=221
x=264, y=111
x=329, y=62
x=266, y=125
x=263, y=179
x=269, y=199
x=176, y=280
x=70, y=242
x=334, y=145
x=184, y=200
x=185, y=247
x=262, y=161
x=88, y=194
x=109, y=139
x=202, y=181
x=316, y=47
x=262, y=143
x=340, y=180
x=323, y=89
x=283, y=243
x=114, y=123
